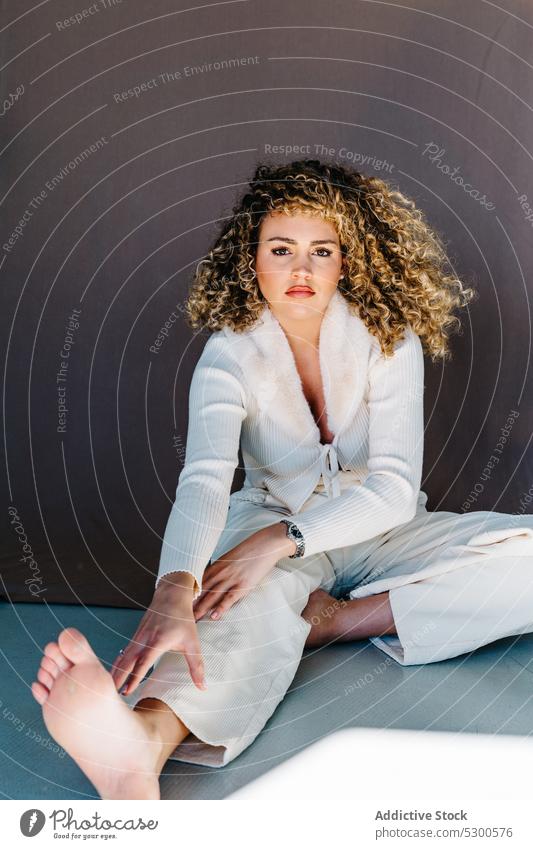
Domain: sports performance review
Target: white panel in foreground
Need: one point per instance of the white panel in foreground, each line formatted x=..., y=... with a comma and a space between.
x=363, y=763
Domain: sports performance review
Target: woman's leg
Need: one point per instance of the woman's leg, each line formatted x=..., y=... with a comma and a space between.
x=251, y=656
x=121, y=751
x=453, y=583
x=334, y=620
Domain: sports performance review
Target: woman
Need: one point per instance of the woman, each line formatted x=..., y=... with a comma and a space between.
x=320, y=291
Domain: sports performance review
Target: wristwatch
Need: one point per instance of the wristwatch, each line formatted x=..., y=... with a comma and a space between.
x=294, y=533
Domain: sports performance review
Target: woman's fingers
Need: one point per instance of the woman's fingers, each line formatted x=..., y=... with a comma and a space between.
x=228, y=600
x=218, y=601
x=193, y=656
x=212, y=577
x=117, y=666
x=131, y=667
x=127, y=664
x=207, y=601
x=143, y=663
x=124, y=663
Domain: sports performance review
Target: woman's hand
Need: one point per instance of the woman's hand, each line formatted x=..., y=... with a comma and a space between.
x=167, y=625
x=241, y=569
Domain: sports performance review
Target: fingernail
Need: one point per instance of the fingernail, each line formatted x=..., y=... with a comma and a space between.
x=214, y=615
x=124, y=690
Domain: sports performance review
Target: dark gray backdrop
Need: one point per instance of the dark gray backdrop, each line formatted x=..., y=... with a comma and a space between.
x=126, y=134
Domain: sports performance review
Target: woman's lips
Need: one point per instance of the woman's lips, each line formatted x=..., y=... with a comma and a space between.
x=300, y=293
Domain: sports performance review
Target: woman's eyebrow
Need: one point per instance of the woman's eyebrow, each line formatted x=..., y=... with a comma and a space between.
x=293, y=241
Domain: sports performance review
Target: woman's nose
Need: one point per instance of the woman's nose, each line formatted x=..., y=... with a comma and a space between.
x=301, y=271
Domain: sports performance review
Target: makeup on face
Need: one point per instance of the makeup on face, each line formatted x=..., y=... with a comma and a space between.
x=300, y=292
x=298, y=259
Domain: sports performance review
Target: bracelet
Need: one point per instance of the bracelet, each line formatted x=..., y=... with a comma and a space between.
x=294, y=533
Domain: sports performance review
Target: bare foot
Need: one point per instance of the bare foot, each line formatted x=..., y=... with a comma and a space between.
x=84, y=713
x=320, y=612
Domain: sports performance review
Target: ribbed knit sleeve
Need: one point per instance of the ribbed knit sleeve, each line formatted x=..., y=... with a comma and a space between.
x=217, y=408
x=388, y=495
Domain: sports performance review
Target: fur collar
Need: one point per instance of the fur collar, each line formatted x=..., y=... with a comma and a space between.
x=272, y=377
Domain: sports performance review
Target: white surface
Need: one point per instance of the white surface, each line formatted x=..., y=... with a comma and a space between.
x=361, y=763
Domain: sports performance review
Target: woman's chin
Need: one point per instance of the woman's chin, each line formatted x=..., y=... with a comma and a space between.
x=306, y=310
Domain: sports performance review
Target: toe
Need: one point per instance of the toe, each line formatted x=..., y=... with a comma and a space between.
x=53, y=651
x=40, y=693
x=50, y=666
x=45, y=678
x=75, y=646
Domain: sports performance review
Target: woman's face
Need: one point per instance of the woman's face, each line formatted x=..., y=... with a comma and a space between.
x=302, y=253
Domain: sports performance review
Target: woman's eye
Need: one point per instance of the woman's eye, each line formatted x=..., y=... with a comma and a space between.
x=325, y=253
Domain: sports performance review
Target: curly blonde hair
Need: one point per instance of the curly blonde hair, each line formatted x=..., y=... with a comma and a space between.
x=393, y=262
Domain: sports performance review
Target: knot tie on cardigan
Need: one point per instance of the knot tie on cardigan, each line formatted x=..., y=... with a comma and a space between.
x=329, y=464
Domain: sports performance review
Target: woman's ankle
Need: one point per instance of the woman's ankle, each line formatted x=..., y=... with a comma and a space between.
x=164, y=728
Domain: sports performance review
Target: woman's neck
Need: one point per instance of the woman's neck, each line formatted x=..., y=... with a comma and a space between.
x=302, y=335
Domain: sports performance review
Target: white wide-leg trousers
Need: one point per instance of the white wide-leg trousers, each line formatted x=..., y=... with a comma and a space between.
x=455, y=581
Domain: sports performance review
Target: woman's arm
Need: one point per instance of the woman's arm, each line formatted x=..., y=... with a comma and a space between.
x=217, y=408
x=241, y=569
x=387, y=497
x=167, y=625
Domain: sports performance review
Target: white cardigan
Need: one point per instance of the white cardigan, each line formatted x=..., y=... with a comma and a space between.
x=246, y=389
